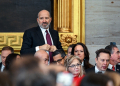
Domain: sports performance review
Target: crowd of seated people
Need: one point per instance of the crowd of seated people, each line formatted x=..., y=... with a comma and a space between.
x=67, y=69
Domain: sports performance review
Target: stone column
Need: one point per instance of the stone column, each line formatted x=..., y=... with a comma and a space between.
x=64, y=10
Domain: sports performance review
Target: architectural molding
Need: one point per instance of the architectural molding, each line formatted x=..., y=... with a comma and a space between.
x=69, y=21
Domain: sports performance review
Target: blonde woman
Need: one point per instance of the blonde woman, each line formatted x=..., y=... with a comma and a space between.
x=73, y=65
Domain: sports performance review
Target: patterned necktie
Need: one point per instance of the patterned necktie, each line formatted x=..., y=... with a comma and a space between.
x=50, y=43
x=113, y=68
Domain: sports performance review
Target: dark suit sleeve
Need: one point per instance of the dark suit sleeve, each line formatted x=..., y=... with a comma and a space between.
x=58, y=42
x=90, y=70
x=27, y=44
x=0, y=65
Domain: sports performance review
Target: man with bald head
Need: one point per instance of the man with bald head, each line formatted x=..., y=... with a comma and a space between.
x=43, y=56
x=41, y=37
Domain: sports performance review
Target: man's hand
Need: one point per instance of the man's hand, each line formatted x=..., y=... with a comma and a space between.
x=45, y=47
x=52, y=48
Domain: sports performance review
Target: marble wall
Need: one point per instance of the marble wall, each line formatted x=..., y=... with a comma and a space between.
x=102, y=24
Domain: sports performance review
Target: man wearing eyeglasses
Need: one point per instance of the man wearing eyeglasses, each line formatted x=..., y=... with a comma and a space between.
x=59, y=57
x=102, y=61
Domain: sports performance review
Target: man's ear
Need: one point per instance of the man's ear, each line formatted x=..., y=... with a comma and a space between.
x=111, y=57
x=96, y=59
x=65, y=57
x=50, y=19
x=37, y=20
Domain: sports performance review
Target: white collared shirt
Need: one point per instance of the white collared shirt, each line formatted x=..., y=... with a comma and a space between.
x=2, y=68
x=97, y=70
x=44, y=36
x=110, y=67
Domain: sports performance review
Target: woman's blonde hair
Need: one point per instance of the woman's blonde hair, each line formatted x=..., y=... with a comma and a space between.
x=70, y=59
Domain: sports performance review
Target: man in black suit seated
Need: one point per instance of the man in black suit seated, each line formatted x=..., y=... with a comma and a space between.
x=4, y=53
x=115, y=56
x=102, y=61
x=41, y=37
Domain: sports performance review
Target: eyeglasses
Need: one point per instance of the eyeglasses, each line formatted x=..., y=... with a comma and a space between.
x=59, y=60
x=73, y=66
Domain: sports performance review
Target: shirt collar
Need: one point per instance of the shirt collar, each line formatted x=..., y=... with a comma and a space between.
x=2, y=68
x=97, y=70
x=3, y=65
x=110, y=66
x=43, y=30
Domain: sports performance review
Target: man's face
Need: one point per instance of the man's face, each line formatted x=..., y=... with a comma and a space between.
x=69, y=51
x=102, y=61
x=4, y=54
x=119, y=57
x=44, y=19
x=58, y=59
x=115, y=55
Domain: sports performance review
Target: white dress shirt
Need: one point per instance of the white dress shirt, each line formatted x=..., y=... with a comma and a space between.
x=110, y=66
x=97, y=70
x=44, y=36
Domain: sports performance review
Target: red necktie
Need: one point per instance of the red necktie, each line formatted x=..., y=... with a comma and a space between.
x=113, y=68
x=50, y=43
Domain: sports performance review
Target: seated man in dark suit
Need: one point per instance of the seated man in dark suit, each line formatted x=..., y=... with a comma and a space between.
x=114, y=59
x=102, y=61
x=41, y=37
x=4, y=53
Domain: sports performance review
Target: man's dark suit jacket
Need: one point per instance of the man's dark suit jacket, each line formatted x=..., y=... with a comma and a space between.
x=33, y=37
x=93, y=70
x=0, y=65
x=118, y=68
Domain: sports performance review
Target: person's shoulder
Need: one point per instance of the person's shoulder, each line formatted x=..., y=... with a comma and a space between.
x=0, y=64
x=32, y=29
x=117, y=65
x=90, y=69
x=51, y=29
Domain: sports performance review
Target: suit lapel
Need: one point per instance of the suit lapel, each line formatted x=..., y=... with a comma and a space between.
x=93, y=68
x=40, y=35
x=118, y=68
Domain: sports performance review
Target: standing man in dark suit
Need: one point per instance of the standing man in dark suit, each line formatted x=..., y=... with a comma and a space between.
x=102, y=61
x=4, y=53
x=41, y=37
x=115, y=56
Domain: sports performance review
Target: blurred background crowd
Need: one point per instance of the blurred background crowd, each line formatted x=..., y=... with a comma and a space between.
x=71, y=69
